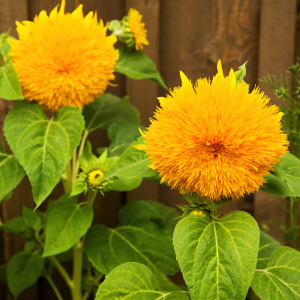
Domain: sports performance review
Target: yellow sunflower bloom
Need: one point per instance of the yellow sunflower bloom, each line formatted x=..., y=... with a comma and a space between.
x=137, y=29
x=215, y=139
x=63, y=59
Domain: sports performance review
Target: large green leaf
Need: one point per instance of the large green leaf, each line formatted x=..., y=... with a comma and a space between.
x=107, y=109
x=10, y=87
x=11, y=173
x=121, y=134
x=42, y=146
x=67, y=222
x=137, y=239
x=23, y=271
x=168, y=214
x=285, y=180
x=266, y=247
x=133, y=281
x=123, y=184
x=133, y=163
x=280, y=280
x=217, y=257
x=137, y=65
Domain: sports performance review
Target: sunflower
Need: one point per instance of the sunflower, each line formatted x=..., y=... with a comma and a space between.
x=215, y=139
x=63, y=59
x=137, y=29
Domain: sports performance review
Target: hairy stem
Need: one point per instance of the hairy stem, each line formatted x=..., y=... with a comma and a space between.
x=54, y=287
x=62, y=272
x=77, y=271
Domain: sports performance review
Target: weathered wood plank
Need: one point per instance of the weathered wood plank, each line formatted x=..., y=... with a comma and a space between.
x=276, y=55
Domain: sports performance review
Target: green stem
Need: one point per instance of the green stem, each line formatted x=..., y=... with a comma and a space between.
x=62, y=272
x=82, y=144
x=293, y=214
x=87, y=294
x=54, y=287
x=69, y=182
x=77, y=271
x=91, y=197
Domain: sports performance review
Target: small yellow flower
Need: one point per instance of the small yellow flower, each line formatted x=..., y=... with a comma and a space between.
x=198, y=213
x=63, y=59
x=138, y=29
x=94, y=178
x=215, y=139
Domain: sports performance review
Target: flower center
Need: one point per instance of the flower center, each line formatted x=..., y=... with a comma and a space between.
x=94, y=178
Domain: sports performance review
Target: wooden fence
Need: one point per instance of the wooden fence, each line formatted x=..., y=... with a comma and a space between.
x=187, y=35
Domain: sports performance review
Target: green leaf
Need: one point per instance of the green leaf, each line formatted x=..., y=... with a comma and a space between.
x=241, y=73
x=280, y=280
x=23, y=270
x=11, y=173
x=133, y=281
x=16, y=225
x=135, y=240
x=266, y=247
x=42, y=146
x=67, y=222
x=31, y=218
x=133, y=163
x=87, y=158
x=285, y=180
x=121, y=134
x=168, y=214
x=107, y=109
x=78, y=187
x=123, y=184
x=137, y=65
x=10, y=87
x=4, y=46
x=217, y=257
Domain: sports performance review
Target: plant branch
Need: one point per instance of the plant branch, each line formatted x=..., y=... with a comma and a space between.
x=77, y=271
x=62, y=272
x=54, y=287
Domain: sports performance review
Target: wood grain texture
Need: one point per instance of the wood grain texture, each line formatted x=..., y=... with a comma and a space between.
x=276, y=55
x=143, y=93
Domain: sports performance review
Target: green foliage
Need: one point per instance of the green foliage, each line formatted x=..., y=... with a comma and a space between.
x=11, y=173
x=108, y=109
x=23, y=271
x=3, y=276
x=241, y=73
x=10, y=87
x=140, y=237
x=134, y=281
x=217, y=257
x=121, y=134
x=280, y=279
x=137, y=65
x=16, y=225
x=285, y=180
x=31, y=219
x=133, y=163
x=66, y=224
x=266, y=247
x=42, y=146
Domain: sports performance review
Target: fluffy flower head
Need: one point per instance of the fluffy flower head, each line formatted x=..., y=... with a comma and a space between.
x=137, y=29
x=63, y=59
x=215, y=139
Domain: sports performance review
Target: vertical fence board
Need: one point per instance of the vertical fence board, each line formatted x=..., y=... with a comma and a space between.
x=143, y=93
x=276, y=55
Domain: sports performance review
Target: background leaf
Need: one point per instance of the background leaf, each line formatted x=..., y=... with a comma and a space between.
x=107, y=109
x=266, y=247
x=133, y=163
x=11, y=173
x=31, y=218
x=121, y=134
x=134, y=281
x=42, y=146
x=137, y=65
x=285, y=181
x=23, y=270
x=67, y=222
x=217, y=257
x=140, y=237
x=10, y=87
x=281, y=278
x=16, y=225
